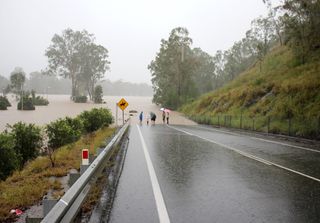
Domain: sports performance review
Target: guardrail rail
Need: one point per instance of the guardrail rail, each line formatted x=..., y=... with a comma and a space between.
x=68, y=206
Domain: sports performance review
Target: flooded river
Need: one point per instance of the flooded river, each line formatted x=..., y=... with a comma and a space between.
x=61, y=106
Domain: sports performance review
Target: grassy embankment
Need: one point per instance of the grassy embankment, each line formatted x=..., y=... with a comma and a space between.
x=282, y=90
x=25, y=188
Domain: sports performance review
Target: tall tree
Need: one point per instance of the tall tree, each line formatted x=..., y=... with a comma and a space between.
x=204, y=75
x=302, y=22
x=94, y=65
x=262, y=35
x=275, y=15
x=17, y=78
x=172, y=70
x=3, y=83
x=65, y=55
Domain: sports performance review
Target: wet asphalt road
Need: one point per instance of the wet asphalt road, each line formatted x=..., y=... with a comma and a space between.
x=206, y=175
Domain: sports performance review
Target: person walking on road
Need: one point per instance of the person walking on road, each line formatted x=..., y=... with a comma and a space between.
x=163, y=117
x=148, y=118
x=141, y=117
x=153, y=118
x=168, y=118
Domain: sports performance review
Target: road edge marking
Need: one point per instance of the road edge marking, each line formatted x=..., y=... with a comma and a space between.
x=250, y=156
x=264, y=140
x=161, y=206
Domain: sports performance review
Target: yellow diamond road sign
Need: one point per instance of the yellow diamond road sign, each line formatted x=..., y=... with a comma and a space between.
x=123, y=104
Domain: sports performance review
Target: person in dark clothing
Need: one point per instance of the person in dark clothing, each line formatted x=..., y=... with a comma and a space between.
x=153, y=117
x=141, y=117
x=168, y=118
x=163, y=117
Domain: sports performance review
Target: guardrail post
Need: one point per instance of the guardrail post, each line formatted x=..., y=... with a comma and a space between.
x=73, y=177
x=48, y=204
x=268, y=124
x=33, y=219
x=83, y=168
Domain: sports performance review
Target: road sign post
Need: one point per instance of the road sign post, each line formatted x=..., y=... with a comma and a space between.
x=122, y=117
x=122, y=104
x=116, y=114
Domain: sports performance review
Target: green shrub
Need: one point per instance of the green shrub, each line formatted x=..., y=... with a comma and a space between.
x=64, y=131
x=98, y=94
x=4, y=103
x=80, y=99
x=8, y=158
x=96, y=118
x=27, y=103
x=27, y=140
x=38, y=100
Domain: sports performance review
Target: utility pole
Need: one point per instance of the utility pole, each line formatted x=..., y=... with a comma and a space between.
x=179, y=73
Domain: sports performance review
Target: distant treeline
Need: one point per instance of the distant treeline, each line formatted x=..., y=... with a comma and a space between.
x=44, y=84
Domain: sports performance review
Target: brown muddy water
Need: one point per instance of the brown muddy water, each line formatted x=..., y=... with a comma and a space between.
x=61, y=106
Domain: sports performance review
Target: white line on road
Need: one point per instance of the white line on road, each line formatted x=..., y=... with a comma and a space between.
x=248, y=155
x=264, y=140
x=161, y=206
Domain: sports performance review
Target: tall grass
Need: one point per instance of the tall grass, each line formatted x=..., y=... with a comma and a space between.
x=282, y=89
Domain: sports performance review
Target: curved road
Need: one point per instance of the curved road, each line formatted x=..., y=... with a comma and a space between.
x=199, y=174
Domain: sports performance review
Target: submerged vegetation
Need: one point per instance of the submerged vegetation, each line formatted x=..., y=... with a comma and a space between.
x=4, y=103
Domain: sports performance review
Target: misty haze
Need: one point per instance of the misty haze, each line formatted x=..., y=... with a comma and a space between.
x=160, y=111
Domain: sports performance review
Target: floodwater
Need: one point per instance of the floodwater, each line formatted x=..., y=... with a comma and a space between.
x=61, y=106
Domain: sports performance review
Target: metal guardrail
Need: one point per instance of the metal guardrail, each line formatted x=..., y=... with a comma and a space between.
x=67, y=207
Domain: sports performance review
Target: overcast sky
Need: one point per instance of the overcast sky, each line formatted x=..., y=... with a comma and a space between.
x=131, y=30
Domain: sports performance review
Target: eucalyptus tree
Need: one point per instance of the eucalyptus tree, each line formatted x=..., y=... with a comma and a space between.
x=17, y=79
x=302, y=21
x=275, y=15
x=262, y=35
x=74, y=55
x=205, y=73
x=3, y=83
x=64, y=55
x=172, y=70
x=93, y=67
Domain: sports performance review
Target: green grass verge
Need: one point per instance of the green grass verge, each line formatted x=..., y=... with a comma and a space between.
x=25, y=188
x=282, y=89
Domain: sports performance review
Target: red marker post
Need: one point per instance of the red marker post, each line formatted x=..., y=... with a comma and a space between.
x=85, y=157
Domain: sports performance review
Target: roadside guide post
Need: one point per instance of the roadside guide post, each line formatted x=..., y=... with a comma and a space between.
x=122, y=104
x=85, y=161
x=85, y=157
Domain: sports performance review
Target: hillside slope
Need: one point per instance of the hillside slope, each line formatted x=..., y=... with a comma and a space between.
x=281, y=90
